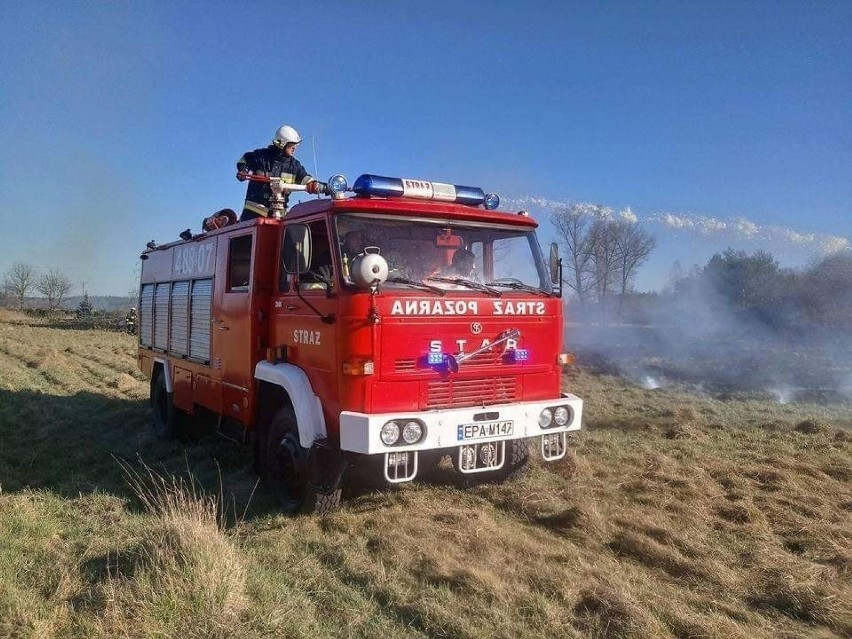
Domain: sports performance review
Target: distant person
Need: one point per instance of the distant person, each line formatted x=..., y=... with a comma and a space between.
x=276, y=160
x=130, y=320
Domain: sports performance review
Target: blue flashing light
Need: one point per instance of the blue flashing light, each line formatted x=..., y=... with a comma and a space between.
x=435, y=359
x=520, y=354
x=382, y=186
x=378, y=185
x=471, y=195
x=492, y=201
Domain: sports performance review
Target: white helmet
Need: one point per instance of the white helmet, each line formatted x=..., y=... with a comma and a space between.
x=284, y=135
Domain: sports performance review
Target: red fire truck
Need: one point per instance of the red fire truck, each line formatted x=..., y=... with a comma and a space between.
x=352, y=332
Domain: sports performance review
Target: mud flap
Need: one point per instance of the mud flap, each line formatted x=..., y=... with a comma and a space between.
x=326, y=465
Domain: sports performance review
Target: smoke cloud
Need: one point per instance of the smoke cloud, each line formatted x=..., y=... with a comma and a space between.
x=697, y=338
x=723, y=230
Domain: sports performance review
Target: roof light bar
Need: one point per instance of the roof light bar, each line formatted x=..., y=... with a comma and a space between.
x=404, y=187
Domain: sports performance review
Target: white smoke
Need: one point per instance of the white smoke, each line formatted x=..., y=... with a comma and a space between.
x=746, y=229
x=650, y=383
x=732, y=228
x=783, y=395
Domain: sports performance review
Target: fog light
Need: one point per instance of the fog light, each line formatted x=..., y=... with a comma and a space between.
x=545, y=418
x=561, y=415
x=397, y=459
x=487, y=454
x=468, y=457
x=412, y=432
x=554, y=446
x=390, y=433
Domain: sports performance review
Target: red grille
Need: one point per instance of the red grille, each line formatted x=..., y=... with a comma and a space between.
x=405, y=365
x=457, y=393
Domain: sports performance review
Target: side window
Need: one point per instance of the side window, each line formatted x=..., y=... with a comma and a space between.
x=319, y=275
x=239, y=263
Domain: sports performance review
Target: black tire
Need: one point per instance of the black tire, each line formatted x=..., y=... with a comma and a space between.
x=428, y=462
x=517, y=460
x=286, y=469
x=165, y=418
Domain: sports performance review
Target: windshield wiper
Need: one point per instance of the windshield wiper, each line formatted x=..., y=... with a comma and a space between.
x=519, y=286
x=460, y=281
x=416, y=284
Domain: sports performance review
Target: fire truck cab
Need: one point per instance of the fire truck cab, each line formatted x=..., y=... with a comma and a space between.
x=351, y=331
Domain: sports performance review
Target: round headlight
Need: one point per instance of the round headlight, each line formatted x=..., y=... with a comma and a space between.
x=492, y=201
x=545, y=418
x=561, y=415
x=412, y=432
x=390, y=433
x=337, y=183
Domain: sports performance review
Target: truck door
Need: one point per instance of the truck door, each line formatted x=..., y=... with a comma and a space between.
x=231, y=322
x=305, y=314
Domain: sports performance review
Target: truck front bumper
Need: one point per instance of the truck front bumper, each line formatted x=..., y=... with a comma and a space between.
x=450, y=428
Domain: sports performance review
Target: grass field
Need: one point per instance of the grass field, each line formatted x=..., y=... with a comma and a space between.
x=675, y=515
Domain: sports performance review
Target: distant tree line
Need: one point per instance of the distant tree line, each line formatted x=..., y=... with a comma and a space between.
x=22, y=282
x=22, y=279
x=741, y=291
x=754, y=287
x=602, y=251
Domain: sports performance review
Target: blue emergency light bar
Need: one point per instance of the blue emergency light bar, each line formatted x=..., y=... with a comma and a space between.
x=403, y=187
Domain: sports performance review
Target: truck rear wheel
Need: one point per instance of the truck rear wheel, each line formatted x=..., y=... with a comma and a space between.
x=165, y=414
x=286, y=469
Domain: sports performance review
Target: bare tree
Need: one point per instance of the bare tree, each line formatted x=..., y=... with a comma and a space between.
x=572, y=226
x=20, y=280
x=633, y=245
x=54, y=286
x=604, y=238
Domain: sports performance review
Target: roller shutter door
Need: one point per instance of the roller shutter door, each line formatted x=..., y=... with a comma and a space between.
x=146, y=315
x=199, y=325
x=161, y=316
x=179, y=332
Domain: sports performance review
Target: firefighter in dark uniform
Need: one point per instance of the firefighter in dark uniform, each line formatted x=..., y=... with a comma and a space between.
x=276, y=160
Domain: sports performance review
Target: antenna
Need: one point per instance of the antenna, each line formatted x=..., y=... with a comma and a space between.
x=314, y=147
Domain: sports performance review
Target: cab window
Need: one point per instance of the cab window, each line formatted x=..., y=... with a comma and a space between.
x=239, y=263
x=320, y=274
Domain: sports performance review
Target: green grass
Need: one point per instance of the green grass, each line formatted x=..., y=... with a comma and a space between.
x=673, y=516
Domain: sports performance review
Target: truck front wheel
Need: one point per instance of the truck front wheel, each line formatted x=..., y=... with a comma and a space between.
x=286, y=469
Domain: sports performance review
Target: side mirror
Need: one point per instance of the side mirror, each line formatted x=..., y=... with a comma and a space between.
x=296, y=249
x=555, y=264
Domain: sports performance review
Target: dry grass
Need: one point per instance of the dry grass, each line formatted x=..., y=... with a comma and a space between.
x=188, y=577
x=673, y=516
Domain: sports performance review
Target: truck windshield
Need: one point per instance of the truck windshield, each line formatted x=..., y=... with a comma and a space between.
x=449, y=255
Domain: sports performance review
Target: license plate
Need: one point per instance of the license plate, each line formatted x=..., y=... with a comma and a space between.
x=485, y=430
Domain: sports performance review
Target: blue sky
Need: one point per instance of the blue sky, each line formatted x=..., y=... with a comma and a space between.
x=121, y=122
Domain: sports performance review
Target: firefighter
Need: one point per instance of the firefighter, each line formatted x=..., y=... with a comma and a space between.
x=276, y=160
x=130, y=321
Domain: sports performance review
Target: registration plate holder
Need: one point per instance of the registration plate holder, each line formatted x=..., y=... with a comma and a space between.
x=485, y=430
